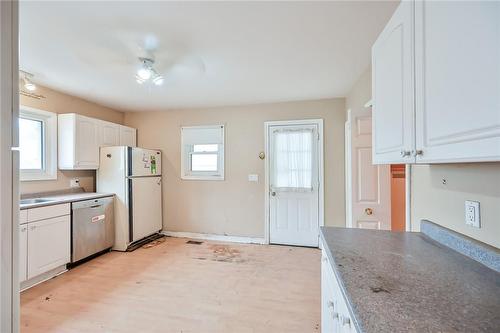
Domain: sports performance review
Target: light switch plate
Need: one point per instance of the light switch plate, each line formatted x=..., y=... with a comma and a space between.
x=253, y=178
x=472, y=214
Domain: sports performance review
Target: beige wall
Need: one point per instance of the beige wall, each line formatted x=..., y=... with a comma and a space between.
x=360, y=93
x=444, y=204
x=58, y=102
x=235, y=206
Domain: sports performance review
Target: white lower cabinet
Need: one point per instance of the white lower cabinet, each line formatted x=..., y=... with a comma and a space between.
x=44, y=241
x=335, y=315
x=48, y=245
x=23, y=253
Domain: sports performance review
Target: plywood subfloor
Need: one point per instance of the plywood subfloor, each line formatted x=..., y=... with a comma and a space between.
x=179, y=287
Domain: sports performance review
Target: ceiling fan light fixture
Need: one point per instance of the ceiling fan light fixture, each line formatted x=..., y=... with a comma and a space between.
x=144, y=73
x=27, y=83
x=139, y=80
x=30, y=86
x=158, y=80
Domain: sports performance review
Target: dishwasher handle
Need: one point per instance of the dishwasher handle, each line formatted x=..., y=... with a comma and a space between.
x=93, y=203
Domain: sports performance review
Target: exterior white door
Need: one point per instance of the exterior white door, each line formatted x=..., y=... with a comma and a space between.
x=48, y=244
x=392, y=89
x=294, y=184
x=146, y=207
x=457, y=61
x=369, y=185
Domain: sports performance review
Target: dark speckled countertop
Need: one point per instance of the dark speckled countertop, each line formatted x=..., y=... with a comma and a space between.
x=407, y=282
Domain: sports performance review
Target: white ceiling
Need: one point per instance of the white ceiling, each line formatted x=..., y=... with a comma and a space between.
x=212, y=54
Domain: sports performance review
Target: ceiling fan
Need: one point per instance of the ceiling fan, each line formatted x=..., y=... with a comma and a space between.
x=147, y=72
x=156, y=62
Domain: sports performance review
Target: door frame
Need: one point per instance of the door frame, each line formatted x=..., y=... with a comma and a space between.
x=9, y=168
x=348, y=179
x=321, y=190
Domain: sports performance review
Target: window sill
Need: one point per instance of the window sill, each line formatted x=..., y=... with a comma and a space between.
x=188, y=177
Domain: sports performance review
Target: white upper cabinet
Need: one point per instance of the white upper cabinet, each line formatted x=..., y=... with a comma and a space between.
x=80, y=137
x=110, y=134
x=128, y=136
x=443, y=106
x=392, y=89
x=78, y=141
x=457, y=52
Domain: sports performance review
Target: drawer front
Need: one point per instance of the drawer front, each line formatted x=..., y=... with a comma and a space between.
x=23, y=216
x=42, y=213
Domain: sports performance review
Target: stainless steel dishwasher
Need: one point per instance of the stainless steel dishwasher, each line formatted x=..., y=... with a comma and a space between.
x=92, y=227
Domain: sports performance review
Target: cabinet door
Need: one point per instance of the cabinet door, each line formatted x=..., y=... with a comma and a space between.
x=457, y=54
x=392, y=89
x=48, y=245
x=110, y=134
x=23, y=252
x=87, y=143
x=328, y=306
x=127, y=136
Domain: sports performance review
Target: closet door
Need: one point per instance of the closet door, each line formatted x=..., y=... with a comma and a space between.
x=457, y=59
x=392, y=89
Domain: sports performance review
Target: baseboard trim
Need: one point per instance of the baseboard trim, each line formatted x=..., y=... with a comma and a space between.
x=222, y=238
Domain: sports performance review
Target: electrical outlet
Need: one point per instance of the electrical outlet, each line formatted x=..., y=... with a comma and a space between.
x=74, y=182
x=472, y=214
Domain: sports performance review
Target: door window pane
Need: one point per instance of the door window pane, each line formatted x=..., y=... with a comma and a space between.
x=204, y=162
x=31, y=144
x=205, y=148
x=293, y=158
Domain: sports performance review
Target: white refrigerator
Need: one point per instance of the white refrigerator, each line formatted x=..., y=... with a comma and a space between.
x=134, y=175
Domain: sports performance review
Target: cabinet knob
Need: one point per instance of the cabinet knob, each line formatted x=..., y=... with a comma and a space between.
x=405, y=153
x=419, y=152
x=273, y=193
x=368, y=211
x=335, y=315
x=330, y=304
x=346, y=321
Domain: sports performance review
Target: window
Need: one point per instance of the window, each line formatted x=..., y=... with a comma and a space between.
x=293, y=151
x=203, y=152
x=37, y=144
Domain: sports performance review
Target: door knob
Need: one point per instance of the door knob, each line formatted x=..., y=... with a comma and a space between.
x=368, y=211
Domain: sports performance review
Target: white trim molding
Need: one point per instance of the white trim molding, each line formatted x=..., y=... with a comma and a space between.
x=9, y=168
x=215, y=237
x=321, y=194
x=49, y=144
x=209, y=138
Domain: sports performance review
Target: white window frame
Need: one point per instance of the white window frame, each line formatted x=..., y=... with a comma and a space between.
x=187, y=152
x=49, y=121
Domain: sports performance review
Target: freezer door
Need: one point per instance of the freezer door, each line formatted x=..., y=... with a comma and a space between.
x=144, y=162
x=146, y=214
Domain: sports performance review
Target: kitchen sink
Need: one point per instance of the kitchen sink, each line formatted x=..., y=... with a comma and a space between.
x=34, y=201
